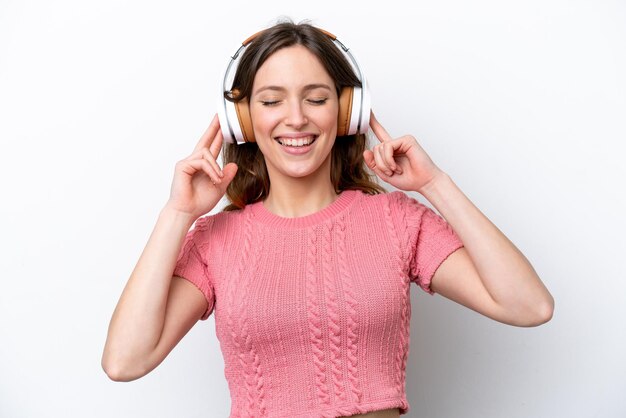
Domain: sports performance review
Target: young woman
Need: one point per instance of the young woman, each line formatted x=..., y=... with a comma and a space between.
x=308, y=269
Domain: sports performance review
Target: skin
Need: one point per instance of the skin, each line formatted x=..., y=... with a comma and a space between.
x=488, y=275
x=293, y=95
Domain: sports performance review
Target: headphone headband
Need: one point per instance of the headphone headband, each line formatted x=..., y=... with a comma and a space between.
x=234, y=117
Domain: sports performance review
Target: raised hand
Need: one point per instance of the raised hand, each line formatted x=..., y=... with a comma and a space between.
x=199, y=183
x=401, y=162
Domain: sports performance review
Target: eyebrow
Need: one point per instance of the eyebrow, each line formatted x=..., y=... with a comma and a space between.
x=306, y=88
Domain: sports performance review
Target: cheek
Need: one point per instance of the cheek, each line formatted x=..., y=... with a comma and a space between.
x=257, y=116
x=328, y=118
x=263, y=121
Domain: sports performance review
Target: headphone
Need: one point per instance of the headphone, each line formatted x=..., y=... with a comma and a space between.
x=354, y=102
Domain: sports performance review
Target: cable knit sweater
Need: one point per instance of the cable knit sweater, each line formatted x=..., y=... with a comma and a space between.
x=312, y=313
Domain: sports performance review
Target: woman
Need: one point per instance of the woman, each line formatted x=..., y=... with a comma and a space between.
x=308, y=270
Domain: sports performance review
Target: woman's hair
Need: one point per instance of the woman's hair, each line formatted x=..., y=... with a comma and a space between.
x=348, y=170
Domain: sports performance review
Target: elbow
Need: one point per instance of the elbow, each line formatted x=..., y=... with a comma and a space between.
x=538, y=308
x=114, y=372
x=529, y=315
x=118, y=372
x=540, y=318
x=542, y=313
x=547, y=311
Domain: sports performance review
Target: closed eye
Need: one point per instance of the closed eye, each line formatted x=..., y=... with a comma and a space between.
x=317, y=101
x=269, y=102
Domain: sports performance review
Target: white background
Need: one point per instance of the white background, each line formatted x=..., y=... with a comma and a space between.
x=522, y=103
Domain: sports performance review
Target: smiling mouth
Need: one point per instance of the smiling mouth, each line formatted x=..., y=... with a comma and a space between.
x=296, y=142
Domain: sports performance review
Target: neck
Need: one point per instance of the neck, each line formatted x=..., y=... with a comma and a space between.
x=291, y=197
x=298, y=203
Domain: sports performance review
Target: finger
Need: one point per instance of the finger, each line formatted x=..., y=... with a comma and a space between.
x=206, y=154
x=210, y=171
x=196, y=155
x=216, y=145
x=378, y=129
x=387, y=150
x=206, y=168
x=380, y=161
x=380, y=173
x=368, y=157
x=209, y=135
x=230, y=170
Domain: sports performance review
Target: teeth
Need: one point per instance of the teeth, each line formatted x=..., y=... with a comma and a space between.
x=296, y=142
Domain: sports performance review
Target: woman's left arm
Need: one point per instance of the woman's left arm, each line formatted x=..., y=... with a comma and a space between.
x=489, y=274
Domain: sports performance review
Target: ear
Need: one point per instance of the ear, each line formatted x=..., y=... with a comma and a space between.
x=345, y=111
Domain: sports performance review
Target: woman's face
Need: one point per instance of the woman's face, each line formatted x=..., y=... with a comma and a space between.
x=294, y=106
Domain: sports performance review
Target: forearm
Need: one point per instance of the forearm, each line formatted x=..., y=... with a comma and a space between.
x=137, y=322
x=505, y=272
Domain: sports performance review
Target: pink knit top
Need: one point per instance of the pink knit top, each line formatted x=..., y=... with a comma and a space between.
x=312, y=313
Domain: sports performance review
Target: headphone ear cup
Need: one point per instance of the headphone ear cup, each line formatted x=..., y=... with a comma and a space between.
x=245, y=121
x=345, y=111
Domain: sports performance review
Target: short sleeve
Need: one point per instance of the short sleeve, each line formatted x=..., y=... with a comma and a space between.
x=429, y=238
x=191, y=264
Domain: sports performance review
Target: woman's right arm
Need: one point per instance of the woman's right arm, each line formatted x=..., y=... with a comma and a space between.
x=134, y=337
x=155, y=309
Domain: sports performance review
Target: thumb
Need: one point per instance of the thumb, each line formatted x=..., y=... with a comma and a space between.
x=229, y=171
x=368, y=156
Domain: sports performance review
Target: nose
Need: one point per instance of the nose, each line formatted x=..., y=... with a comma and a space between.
x=295, y=116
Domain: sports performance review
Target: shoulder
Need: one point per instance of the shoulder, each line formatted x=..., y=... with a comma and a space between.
x=376, y=199
x=220, y=221
x=398, y=209
x=404, y=213
x=395, y=201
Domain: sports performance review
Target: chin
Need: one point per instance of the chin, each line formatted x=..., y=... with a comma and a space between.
x=298, y=173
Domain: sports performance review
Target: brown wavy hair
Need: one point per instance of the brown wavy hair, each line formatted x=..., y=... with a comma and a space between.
x=347, y=170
